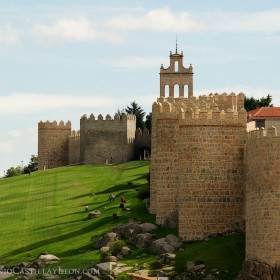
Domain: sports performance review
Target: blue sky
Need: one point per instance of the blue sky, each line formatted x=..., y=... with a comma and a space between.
x=61, y=59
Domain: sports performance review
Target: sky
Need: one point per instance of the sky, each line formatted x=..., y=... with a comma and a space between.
x=61, y=59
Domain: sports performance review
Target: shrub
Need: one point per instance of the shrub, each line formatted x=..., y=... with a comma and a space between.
x=117, y=246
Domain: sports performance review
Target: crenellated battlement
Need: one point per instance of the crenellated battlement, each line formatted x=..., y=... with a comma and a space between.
x=213, y=109
x=116, y=118
x=224, y=101
x=54, y=125
x=262, y=132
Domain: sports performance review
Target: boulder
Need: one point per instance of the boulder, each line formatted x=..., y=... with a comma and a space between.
x=105, y=267
x=94, y=214
x=148, y=227
x=165, y=258
x=143, y=240
x=110, y=259
x=125, y=251
x=119, y=229
x=47, y=259
x=119, y=270
x=106, y=240
x=131, y=230
x=104, y=249
x=171, y=238
x=88, y=276
x=160, y=246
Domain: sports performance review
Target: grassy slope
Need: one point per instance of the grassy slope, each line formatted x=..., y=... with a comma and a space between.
x=45, y=212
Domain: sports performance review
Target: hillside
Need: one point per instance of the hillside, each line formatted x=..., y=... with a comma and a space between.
x=46, y=212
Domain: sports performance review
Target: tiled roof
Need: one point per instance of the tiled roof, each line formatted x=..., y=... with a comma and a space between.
x=265, y=112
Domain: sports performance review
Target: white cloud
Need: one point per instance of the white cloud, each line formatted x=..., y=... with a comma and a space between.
x=157, y=20
x=166, y=20
x=9, y=36
x=65, y=29
x=259, y=22
x=34, y=103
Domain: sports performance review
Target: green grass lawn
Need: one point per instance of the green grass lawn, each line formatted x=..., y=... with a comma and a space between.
x=46, y=212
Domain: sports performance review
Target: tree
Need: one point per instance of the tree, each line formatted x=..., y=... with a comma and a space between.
x=252, y=103
x=135, y=109
x=148, y=122
x=33, y=163
x=32, y=166
x=13, y=171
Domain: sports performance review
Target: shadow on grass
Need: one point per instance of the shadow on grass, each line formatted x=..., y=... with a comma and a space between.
x=121, y=188
x=43, y=243
x=77, y=251
x=81, y=196
x=70, y=214
x=74, y=221
x=137, y=164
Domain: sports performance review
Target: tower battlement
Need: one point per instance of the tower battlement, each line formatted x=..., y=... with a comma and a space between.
x=213, y=109
x=54, y=125
x=223, y=101
x=116, y=118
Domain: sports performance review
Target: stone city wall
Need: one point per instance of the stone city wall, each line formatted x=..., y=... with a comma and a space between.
x=74, y=147
x=107, y=140
x=53, y=147
x=197, y=163
x=262, y=196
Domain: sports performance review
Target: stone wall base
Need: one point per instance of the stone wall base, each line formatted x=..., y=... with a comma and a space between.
x=259, y=271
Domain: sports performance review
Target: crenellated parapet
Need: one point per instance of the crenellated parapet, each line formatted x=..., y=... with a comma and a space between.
x=100, y=117
x=107, y=122
x=106, y=138
x=54, y=125
x=212, y=109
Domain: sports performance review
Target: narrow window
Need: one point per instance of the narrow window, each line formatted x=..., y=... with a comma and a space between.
x=186, y=90
x=166, y=90
x=176, y=66
x=176, y=90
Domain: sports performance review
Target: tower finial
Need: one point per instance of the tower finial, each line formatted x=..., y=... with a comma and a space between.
x=176, y=45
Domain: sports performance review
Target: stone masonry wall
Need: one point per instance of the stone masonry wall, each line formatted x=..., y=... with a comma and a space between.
x=74, y=147
x=211, y=180
x=164, y=162
x=108, y=140
x=262, y=197
x=197, y=163
x=53, y=147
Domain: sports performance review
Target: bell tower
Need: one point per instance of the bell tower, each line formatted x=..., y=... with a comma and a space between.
x=176, y=74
